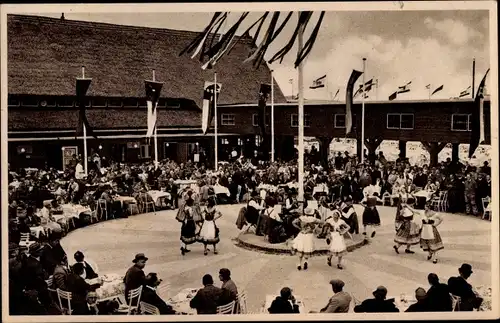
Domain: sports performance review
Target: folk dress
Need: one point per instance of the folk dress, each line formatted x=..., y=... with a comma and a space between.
x=188, y=229
x=304, y=242
x=209, y=233
x=430, y=239
x=337, y=243
x=370, y=214
x=407, y=230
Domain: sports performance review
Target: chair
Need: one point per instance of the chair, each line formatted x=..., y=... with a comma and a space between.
x=145, y=201
x=437, y=201
x=455, y=303
x=148, y=309
x=25, y=242
x=66, y=296
x=102, y=208
x=226, y=309
x=242, y=303
x=386, y=197
x=133, y=208
x=93, y=215
x=134, y=294
x=444, y=202
x=486, y=202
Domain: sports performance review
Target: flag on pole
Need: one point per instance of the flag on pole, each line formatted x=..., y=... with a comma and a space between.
x=153, y=90
x=368, y=86
x=477, y=133
x=264, y=94
x=208, y=104
x=82, y=86
x=318, y=83
x=336, y=94
x=465, y=92
x=393, y=96
x=405, y=88
x=439, y=88
x=428, y=86
x=348, y=101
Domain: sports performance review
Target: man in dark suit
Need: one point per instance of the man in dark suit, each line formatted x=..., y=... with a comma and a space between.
x=79, y=289
x=378, y=304
x=88, y=270
x=284, y=304
x=422, y=304
x=34, y=277
x=60, y=275
x=460, y=287
x=52, y=253
x=438, y=296
x=135, y=277
x=150, y=296
x=208, y=298
x=340, y=301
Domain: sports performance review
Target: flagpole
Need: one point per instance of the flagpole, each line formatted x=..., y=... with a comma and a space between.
x=272, y=117
x=473, y=75
x=363, y=115
x=215, y=123
x=155, y=135
x=376, y=90
x=85, y=163
x=301, y=119
x=430, y=86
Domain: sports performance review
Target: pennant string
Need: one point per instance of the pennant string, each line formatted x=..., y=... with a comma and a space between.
x=246, y=31
x=202, y=42
x=267, y=40
x=260, y=25
x=263, y=43
x=201, y=36
x=310, y=42
x=219, y=25
x=213, y=51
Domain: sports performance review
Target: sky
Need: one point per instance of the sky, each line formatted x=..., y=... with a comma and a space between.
x=424, y=47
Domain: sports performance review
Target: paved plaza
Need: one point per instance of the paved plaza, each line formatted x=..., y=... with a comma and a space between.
x=113, y=244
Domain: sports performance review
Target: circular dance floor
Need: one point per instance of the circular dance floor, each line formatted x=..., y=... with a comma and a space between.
x=113, y=244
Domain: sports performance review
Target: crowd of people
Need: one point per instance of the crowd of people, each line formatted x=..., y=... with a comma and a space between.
x=37, y=196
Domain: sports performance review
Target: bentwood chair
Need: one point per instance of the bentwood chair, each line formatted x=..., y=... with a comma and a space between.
x=67, y=297
x=226, y=309
x=134, y=294
x=102, y=208
x=455, y=303
x=486, y=211
x=148, y=309
x=241, y=306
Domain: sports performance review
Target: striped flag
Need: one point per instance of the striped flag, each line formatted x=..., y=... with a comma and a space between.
x=349, y=97
x=368, y=86
x=153, y=90
x=439, y=88
x=208, y=104
x=405, y=88
x=393, y=96
x=477, y=133
x=318, y=83
x=465, y=92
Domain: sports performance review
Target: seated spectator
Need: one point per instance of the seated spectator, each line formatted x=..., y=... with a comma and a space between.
x=228, y=286
x=422, y=304
x=89, y=272
x=340, y=301
x=60, y=275
x=135, y=276
x=79, y=289
x=460, y=287
x=52, y=253
x=150, y=296
x=284, y=304
x=438, y=295
x=208, y=298
x=378, y=304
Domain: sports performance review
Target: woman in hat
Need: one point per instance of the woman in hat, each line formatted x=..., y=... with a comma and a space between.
x=337, y=228
x=209, y=232
x=407, y=229
x=430, y=239
x=188, y=228
x=303, y=244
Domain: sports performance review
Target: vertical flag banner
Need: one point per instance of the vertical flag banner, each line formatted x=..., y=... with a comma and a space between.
x=82, y=86
x=153, y=90
x=318, y=83
x=348, y=100
x=208, y=104
x=439, y=88
x=264, y=94
x=477, y=133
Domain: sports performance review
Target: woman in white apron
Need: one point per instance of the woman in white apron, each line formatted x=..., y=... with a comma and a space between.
x=209, y=233
x=430, y=239
x=407, y=228
x=303, y=244
x=338, y=247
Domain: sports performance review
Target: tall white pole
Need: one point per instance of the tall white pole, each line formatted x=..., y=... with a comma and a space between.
x=272, y=117
x=215, y=124
x=155, y=135
x=363, y=115
x=85, y=157
x=301, y=119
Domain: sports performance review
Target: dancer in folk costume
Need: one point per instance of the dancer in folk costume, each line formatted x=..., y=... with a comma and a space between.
x=209, y=232
x=407, y=228
x=188, y=228
x=371, y=218
x=303, y=244
x=349, y=215
x=338, y=247
x=430, y=239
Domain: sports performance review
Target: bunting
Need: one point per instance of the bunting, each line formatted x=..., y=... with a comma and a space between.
x=208, y=104
x=349, y=97
x=477, y=133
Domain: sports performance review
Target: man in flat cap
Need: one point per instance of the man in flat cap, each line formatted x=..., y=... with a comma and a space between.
x=339, y=302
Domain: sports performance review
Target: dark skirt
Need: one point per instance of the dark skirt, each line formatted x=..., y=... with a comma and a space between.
x=371, y=216
x=432, y=245
x=188, y=232
x=407, y=234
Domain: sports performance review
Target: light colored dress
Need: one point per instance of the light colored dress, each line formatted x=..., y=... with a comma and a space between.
x=337, y=243
x=430, y=239
x=208, y=233
x=304, y=242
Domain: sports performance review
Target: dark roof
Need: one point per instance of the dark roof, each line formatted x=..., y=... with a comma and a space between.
x=67, y=119
x=45, y=55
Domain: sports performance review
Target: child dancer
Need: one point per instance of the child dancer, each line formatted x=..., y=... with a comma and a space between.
x=303, y=244
x=338, y=247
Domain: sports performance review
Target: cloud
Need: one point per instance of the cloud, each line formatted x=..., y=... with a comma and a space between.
x=456, y=31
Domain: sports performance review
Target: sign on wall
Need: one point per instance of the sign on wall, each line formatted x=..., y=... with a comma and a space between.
x=68, y=153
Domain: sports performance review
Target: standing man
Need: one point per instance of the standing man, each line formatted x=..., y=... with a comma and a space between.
x=470, y=195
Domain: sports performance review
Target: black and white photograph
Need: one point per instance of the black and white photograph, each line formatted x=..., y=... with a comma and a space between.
x=249, y=161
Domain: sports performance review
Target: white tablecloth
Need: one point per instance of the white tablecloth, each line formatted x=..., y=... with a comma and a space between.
x=156, y=195
x=124, y=199
x=180, y=302
x=111, y=289
x=219, y=189
x=320, y=189
x=423, y=193
x=403, y=302
x=35, y=231
x=72, y=211
x=271, y=298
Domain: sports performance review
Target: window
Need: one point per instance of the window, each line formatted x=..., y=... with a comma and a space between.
x=86, y=102
x=130, y=103
x=162, y=103
x=295, y=120
x=144, y=151
x=13, y=102
x=400, y=121
x=255, y=120
x=99, y=103
x=65, y=103
x=227, y=119
x=340, y=121
x=461, y=122
x=114, y=103
x=48, y=103
x=30, y=102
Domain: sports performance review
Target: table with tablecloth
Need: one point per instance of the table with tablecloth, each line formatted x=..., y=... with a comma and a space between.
x=424, y=194
x=35, y=231
x=125, y=199
x=158, y=195
x=112, y=287
x=71, y=211
x=271, y=298
x=219, y=189
x=181, y=302
x=403, y=301
x=320, y=189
